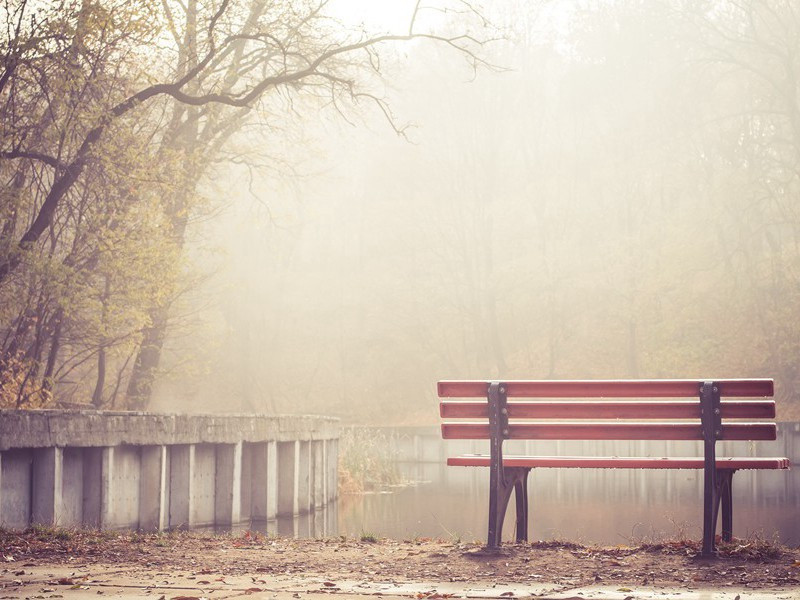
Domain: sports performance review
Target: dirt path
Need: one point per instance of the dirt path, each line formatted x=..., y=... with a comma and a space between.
x=743, y=565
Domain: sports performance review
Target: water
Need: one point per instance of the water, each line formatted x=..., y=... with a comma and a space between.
x=600, y=506
x=585, y=505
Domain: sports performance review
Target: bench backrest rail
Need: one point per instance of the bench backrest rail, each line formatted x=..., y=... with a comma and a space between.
x=616, y=388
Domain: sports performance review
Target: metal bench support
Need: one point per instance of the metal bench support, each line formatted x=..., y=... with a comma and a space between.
x=711, y=422
x=502, y=481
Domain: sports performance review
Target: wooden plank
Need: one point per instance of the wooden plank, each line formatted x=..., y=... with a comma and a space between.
x=610, y=431
x=619, y=462
x=631, y=388
x=592, y=409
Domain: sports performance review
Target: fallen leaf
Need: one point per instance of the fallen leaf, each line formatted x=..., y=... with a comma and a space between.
x=624, y=590
x=328, y=584
x=507, y=594
x=253, y=590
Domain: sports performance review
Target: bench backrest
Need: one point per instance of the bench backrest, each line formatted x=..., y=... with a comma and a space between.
x=660, y=410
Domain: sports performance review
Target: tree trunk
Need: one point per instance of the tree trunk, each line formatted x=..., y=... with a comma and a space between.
x=140, y=385
x=97, y=395
x=55, y=345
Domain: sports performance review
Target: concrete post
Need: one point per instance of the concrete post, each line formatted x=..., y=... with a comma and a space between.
x=46, y=502
x=318, y=468
x=181, y=477
x=287, y=477
x=107, y=488
x=303, y=477
x=325, y=466
x=247, y=489
x=272, y=480
x=259, y=481
x=153, y=509
x=228, y=484
x=332, y=473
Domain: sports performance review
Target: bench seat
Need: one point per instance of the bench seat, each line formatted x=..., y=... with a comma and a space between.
x=618, y=462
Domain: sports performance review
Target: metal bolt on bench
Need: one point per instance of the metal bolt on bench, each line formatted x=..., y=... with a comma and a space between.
x=701, y=421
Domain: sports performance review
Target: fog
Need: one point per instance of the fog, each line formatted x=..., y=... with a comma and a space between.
x=617, y=198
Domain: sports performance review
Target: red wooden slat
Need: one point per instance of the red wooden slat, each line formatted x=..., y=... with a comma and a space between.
x=590, y=409
x=638, y=388
x=610, y=431
x=619, y=462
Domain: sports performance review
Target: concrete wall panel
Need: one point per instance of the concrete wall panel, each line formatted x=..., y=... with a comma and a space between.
x=204, y=484
x=47, y=474
x=125, y=485
x=92, y=486
x=228, y=484
x=153, y=506
x=181, y=493
x=72, y=488
x=15, y=488
x=287, y=476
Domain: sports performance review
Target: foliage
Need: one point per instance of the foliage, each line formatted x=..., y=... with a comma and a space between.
x=366, y=461
x=17, y=388
x=115, y=113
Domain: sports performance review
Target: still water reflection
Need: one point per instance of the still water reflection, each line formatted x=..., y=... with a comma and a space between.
x=586, y=505
x=608, y=507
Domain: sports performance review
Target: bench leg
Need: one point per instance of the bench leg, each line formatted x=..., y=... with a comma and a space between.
x=720, y=494
x=726, y=493
x=521, y=495
x=498, y=502
x=711, y=498
x=515, y=479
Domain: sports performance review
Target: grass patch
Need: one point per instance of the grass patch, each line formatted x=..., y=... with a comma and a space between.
x=367, y=461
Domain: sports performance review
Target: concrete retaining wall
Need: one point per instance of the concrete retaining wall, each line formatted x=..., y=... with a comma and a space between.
x=117, y=470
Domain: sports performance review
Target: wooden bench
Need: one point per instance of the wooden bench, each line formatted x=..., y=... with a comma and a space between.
x=660, y=411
